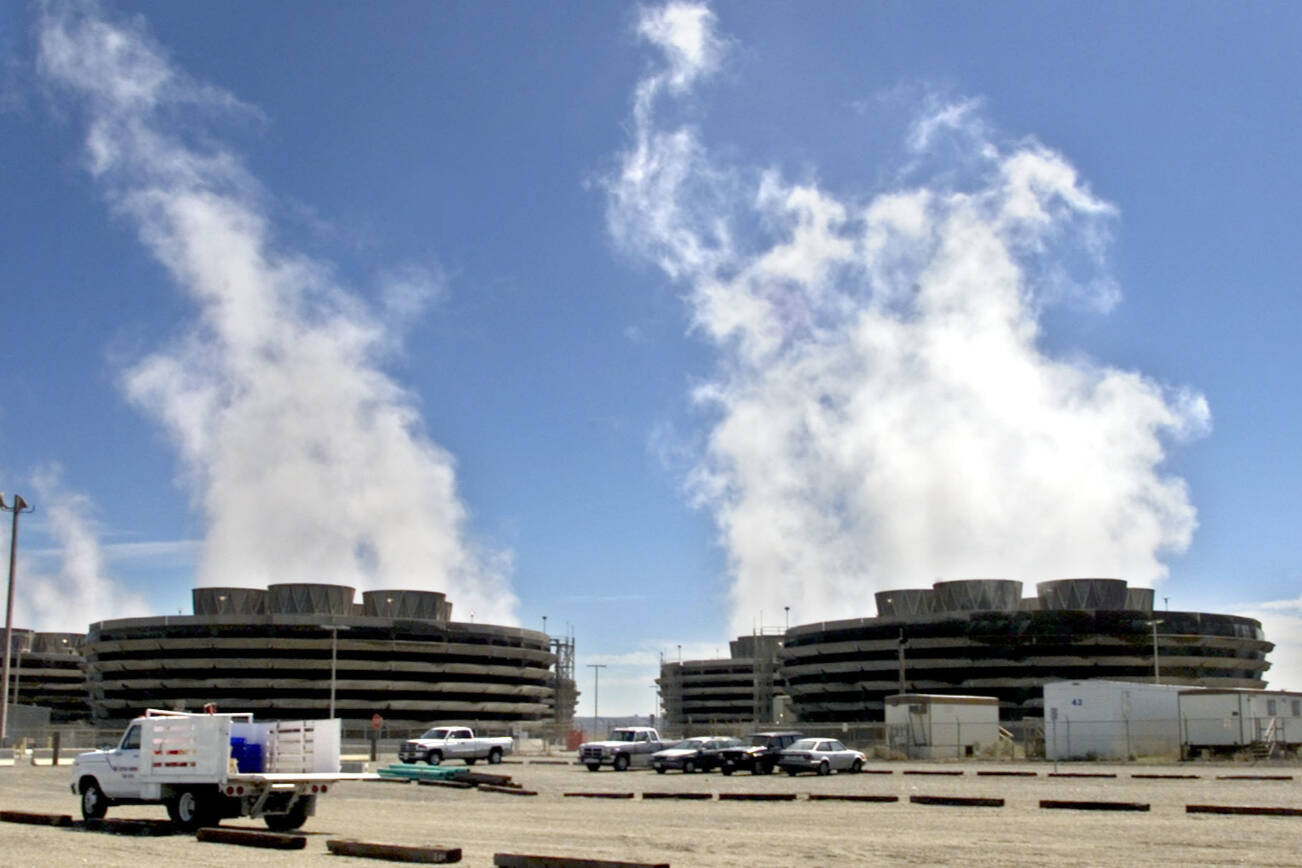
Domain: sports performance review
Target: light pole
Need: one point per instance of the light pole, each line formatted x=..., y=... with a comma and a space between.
x=596, y=694
x=1157, y=671
x=20, y=506
x=901, y=649
x=334, y=656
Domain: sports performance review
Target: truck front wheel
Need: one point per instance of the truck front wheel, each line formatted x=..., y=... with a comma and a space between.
x=434, y=757
x=495, y=756
x=621, y=762
x=94, y=804
x=192, y=809
x=594, y=767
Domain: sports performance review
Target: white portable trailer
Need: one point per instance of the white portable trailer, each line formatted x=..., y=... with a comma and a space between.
x=1101, y=719
x=933, y=726
x=1225, y=720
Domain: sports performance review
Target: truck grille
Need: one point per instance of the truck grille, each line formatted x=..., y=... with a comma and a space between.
x=593, y=753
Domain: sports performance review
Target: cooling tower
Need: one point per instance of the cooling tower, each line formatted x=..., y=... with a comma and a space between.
x=425, y=605
x=978, y=595
x=310, y=599
x=1140, y=600
x=906, y=603
x=229, y=601
x=1107, y=594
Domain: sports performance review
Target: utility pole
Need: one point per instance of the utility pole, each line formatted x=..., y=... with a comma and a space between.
x=1157, y=671
x=20, y=506
x=596, y=695
x=902, y=690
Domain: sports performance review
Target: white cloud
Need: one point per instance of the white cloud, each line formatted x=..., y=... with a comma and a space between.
x=307, y=460
x=884, y=411
x=685, y=33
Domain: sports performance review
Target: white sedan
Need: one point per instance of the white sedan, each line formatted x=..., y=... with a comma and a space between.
x=821, y=755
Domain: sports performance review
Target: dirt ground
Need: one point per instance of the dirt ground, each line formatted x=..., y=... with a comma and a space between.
x=722, y=833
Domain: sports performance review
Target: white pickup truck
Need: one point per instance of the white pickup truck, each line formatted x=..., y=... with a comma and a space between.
x=441, y=743
x=627, y=746
x=210, y=767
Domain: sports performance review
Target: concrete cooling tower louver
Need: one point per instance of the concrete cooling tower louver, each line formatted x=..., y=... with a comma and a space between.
x=301, y=598
x=423, y=605
x=978, y=595
x=1105, y=594
x=906, y=603
x=1140, y=600
x=229, y=601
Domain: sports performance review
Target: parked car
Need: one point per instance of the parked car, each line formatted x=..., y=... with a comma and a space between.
x=693, y=754
x=759, y=757
x=821, y=755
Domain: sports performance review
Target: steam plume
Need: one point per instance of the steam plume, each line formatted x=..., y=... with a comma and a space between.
x=308, y=461
x=77, y=589
x=884, y=411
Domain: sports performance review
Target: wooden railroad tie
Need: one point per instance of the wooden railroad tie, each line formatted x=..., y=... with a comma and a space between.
x=36, y=819
x=516, y=790
x=697, y=796
x=251, y=838
x=856, y=797
x=757, y=797
x=138, y=828
x=949, y=772
x=393, y=852
x=599, y=795
x=1254, y=777
x=995, y=774
x=1082, y=774
x=1243, y=809
x=450, y=784
x=957, y=801
x=1070, y=805
x=518, y=860
x=1168, y=777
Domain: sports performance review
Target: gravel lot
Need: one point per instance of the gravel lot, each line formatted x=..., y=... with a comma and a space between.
x=721, y=833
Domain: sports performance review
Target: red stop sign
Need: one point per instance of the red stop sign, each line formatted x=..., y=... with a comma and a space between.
x=376, y=720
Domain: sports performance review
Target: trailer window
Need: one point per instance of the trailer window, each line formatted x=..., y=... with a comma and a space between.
x=1297, y=708
x=1270, y=707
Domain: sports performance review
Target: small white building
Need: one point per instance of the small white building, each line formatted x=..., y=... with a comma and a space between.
x=928, y=726
x=1102, y=719
x=1229, y=719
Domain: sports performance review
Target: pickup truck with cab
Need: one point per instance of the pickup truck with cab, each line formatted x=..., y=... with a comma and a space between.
x=441, y=743
x=209, y=767
x=627, y=746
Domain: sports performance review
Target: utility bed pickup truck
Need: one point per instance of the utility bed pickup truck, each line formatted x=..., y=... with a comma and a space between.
x=210, y=767
x=453, y=742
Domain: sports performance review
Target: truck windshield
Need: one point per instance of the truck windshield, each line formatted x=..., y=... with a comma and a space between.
x=436, y=734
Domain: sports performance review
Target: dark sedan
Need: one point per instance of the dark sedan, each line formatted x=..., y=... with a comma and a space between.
x=693, y=754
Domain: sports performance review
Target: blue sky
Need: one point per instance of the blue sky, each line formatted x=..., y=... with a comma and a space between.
x=651, y=320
